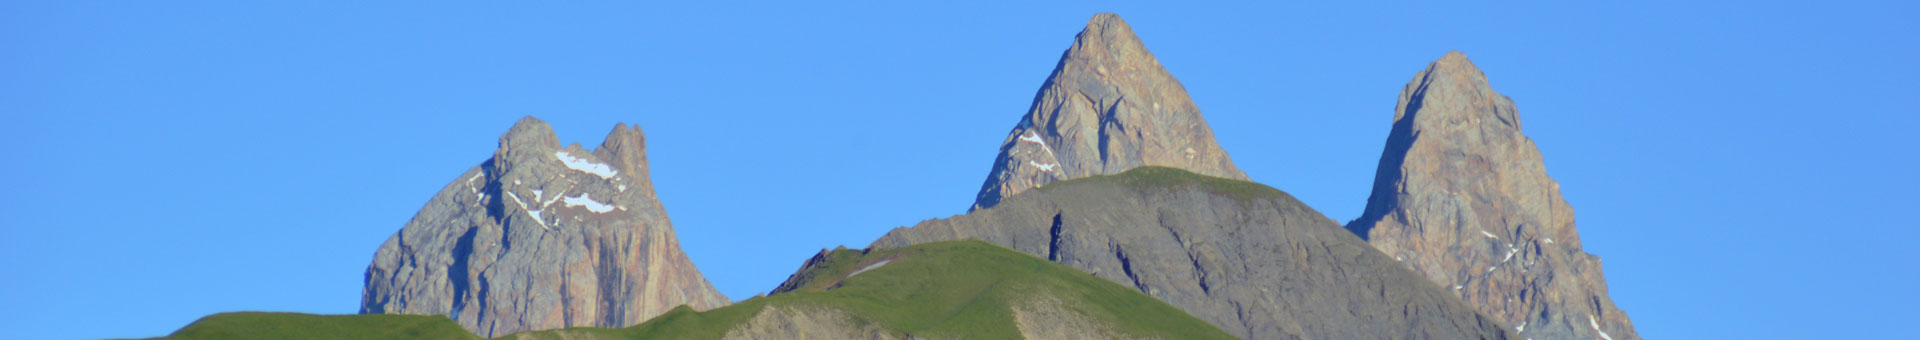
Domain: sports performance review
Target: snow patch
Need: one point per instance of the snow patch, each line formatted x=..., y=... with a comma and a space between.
x=1032, y=137
x=1043, y=167
x=584, y=165
x=869, y=267
x=1549, y=240
x=1489, y=235
x=530, y=211
x=584, y=200
x=470, y=187
x=1596, y=327
x=1521, y=328
x=622, y=187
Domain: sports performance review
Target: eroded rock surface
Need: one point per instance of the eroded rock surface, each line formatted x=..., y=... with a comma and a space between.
x=539, y=237
x=1462, y=197
x=1244, y=257
x=1108, y=106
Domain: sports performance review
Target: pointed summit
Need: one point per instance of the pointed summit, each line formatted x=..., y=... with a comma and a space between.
x=541, y=236
x=1463, y=198
x=1108, y=107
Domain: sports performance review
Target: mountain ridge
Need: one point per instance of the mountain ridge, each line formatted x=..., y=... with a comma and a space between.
x=1107, y=106
x=1462, y=197
x=541, y=236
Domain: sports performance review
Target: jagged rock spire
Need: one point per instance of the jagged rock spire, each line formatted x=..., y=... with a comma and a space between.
x=1463, y=198
x=538, y=237
x=1108, y=106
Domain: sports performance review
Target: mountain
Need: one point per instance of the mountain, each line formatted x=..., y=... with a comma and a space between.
x=539, y=237
x=941, y=290
x=1245, y=257
x=1462, y=197
x=1108, y=106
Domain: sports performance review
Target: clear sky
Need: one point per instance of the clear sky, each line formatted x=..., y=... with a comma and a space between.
x=1746, y=169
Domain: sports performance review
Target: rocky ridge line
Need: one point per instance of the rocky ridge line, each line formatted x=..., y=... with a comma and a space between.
x=1107, y=107
x=540, y=237
x=1462, y=197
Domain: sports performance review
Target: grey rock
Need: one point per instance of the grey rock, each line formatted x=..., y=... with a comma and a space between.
x=539, y=237
x=1247, y=258
x=1108, y=106
x=1462, y=197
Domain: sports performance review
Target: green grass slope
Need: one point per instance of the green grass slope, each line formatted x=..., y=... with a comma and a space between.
x=956, y=289
x=942, y=290
x=296, y=326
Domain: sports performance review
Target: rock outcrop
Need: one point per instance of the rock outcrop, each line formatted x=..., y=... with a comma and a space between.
x=1242, y=256
x=539, y=237
x=1108, y=106
x=1462, y=197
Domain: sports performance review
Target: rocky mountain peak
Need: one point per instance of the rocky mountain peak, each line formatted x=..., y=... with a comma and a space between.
x=1107, y=37
x=538, y=237
x=626, y=148
x=1462, y=197
x=1108, y=107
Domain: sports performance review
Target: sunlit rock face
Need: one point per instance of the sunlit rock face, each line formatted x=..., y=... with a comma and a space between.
x=1108, y=106
x=541, y=236
x=1462, y=197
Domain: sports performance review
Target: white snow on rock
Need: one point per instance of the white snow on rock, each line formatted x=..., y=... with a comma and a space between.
x=1043, y=167
x=1549, y=240
x=1521, y=328
x=470, y=187
x=1596, y=327
x=530, y=212
x=1489, y=235
x=869, y=267
x=1031, y=137
x=584, y=165
x=584, y=201
x=622, y=187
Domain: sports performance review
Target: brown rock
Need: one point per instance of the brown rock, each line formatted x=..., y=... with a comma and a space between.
x=1462, y=197
x=541, y=237
x=1108, y=106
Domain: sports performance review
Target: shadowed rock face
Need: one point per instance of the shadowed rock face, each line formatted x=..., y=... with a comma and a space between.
x=1461, y=197
x=1242, y=256
x=541, y=237
x=1107, y=107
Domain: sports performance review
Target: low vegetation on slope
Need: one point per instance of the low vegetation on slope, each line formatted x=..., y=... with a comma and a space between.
x=940, y=290
x=296, y=326
x=960, y=289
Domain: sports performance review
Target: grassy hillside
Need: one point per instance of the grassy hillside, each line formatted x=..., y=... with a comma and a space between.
x=957, y=289
x=296, y=326
x=1156, y=177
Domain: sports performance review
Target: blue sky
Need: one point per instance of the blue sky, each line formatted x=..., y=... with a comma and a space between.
x=1745, y=169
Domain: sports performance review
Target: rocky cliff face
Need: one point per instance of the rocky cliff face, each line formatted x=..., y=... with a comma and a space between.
x=1107, y=107
x=540, y=237
x=1461, y=197
x=1242, y=256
